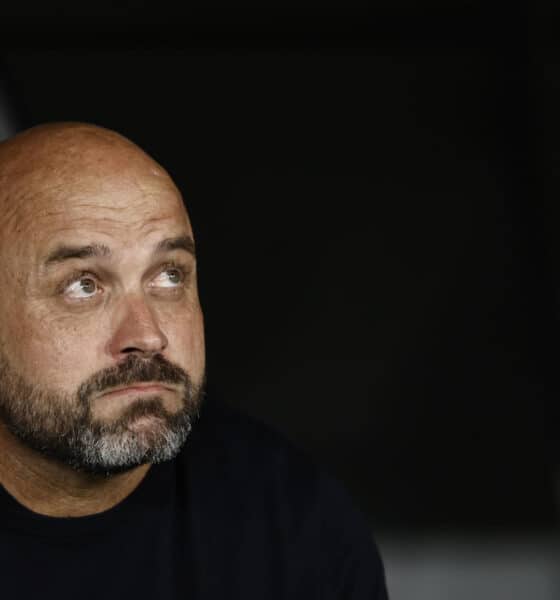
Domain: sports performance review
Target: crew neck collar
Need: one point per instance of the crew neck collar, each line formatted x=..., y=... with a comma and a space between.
x=150, y=492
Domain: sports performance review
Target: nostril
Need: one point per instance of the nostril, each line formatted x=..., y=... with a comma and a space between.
x=130, y=350
x=141, y=352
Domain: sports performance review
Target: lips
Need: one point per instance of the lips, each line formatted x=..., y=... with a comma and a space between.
x=137, y=388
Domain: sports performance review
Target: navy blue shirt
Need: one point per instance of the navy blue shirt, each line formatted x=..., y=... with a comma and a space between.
x=239, y=514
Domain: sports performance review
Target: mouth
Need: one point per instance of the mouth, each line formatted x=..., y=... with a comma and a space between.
x=148, y=388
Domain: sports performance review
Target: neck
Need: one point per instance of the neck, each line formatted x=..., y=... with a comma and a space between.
x=50, y=488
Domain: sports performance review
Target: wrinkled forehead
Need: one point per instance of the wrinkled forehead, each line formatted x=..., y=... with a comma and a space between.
x=108, y=191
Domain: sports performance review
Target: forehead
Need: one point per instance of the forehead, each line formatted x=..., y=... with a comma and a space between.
x=130, y=201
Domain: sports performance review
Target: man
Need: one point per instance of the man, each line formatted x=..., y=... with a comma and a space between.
x=101, y=378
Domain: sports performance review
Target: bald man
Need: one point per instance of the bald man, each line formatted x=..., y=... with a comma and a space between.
x=115, y=481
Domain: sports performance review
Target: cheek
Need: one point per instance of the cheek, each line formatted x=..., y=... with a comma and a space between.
x=58, y=353
x=185, y=334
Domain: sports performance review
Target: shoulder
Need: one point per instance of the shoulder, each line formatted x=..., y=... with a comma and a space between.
x=257, y=479
x=230, y=446
x=236, y=443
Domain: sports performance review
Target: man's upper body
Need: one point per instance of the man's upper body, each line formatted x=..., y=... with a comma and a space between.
x=111, y=484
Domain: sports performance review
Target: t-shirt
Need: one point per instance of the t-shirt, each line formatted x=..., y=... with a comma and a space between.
x=239, y=514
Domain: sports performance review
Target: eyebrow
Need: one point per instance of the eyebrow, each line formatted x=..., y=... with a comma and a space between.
x=181, y=242
x=65, y=252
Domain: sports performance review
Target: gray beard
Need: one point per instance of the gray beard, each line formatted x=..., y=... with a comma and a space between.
x=62, y=427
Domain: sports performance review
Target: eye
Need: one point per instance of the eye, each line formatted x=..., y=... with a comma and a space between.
x=83, y=288
x=170, y=277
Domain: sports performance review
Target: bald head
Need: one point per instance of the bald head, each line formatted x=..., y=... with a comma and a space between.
x=97, y=265
x=75, y=185
x=58, y=143
x=44, y=160
x=61, y=148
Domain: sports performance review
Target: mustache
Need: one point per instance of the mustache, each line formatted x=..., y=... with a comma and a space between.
x=134, y=370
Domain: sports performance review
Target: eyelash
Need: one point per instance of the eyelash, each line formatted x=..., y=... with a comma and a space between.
x=77, y=275
x=173, y=265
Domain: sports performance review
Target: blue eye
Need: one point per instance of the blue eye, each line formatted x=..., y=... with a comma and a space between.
x=169, y=278
x=84, y=287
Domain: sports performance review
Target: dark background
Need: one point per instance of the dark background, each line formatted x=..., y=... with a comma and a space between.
x=373, y=190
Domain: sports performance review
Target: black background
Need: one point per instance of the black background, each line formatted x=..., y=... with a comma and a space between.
x=372, y=188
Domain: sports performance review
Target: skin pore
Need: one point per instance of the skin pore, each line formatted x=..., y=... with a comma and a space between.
x=101, y=330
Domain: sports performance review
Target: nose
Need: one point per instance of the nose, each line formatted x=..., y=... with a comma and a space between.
x=137, y=330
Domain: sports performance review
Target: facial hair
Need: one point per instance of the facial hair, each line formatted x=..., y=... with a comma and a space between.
x=61, y=426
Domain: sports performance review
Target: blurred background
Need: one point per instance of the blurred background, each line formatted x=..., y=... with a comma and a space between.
x=373, y=188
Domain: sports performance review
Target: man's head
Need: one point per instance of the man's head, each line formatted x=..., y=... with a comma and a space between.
x=101, y=332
